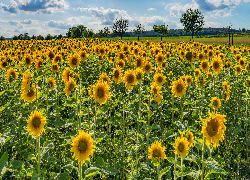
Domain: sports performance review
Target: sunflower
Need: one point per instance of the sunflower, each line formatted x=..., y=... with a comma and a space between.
x=39, y=64
x=83, y=55
x=156, y=151
x=29, y=94
x=215, y=102
x=26, y=80
x=51, y=83
x=147, y=67
x=101, y=92
x=36, y=123
x=178, y=88
x=197, y=73
x=4, y=64
x=247, y=67
x=129, y=79
x=214, y=129
x=181, y=146
x=228, y=64
x=55, y=67
x=225, y=95
x=74, y=61
x=238, y=57
x=139, y=74
x=156, y=91
x=58, y=59
x=28, y=60
x=226, y=86
x=121, y=56
x=242, y=62
x=217, y=65
x=90, y=91
x=189, y=79
x=190, y=137
x=105, y=78
x=120, y=63
x=67, y=73
x=139, y=62
x=238, y=69
x=204, y=66
x=82, y=147
x=210, y=53
x=159, y=58
x=189, y=57
x=51, y=55
x=11, y=75
x=159, y=79
x=200, y=56
x=117, y=74
x=69, y=86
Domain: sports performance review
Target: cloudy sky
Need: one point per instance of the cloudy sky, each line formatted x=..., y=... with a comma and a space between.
x=57, y=16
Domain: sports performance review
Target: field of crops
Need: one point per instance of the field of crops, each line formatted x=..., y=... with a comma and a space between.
x=94, y=109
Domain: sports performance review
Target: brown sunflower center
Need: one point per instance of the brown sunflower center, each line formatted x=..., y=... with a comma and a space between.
x=83, y=55
x=212, y=127
x=27, y=61
x=100, y=92
x=181, y=147
x=71, y=87
x=82, y=146
x=215, y=103
x=130, y=79
x=36, y=122
x=138, y=63
x=138, y=76
x=179, y=88
x=159, y=59
x=40, y=64
x=74, y=61
x=120, y=63
x=4, y=64
x=189, y=56
x=50, y=84
x=159, y=79
x=238, y=69
x=116, y=74
x=55, y=67
x=30, y=93
x=147, y=67
x=242, y=63
x=204, y=65
x=156, y=154
x=216, y=65
x=13, y=74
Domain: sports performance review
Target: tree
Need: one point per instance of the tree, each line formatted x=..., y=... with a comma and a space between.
x=76, y=32
x=192, y=21
x=48, y=37
x=89, y=33
x=161, y=29
x=120, y=26
x=2, y=38
x=104, y=33
x=20, y=37
x=40, y=37
x=15, y=37
x=139, y=30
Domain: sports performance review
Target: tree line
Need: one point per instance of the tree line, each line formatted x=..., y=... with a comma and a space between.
x=192, y=21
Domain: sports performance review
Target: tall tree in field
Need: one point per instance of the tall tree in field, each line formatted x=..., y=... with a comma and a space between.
x=105, y=32
x=192, y=20
x=161, y=29
x=120, y=26
x=139, y=30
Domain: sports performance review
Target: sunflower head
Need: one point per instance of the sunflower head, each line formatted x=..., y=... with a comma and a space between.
x=178, y=88
x=36, y=123
x=139, y=74
x=190, y=137
x=101, y=92
x=74, y=61
x=117, y=74
x=69, y=86
x=129, y=79
x=139, y=62
x=147, y=67
x=215, y=102
x=238, y=69
x=82, y=147
x=104, y=77
x=189, y=57
x=11, y=75
x=159, y=79
x=181, y=146
x=51, y=83
x=197, y=73
x=214, y=129
x=120, y=63
x=204, y=66
x=225, y=95
x=156, y=151
x=217, y=65
x=159, y=58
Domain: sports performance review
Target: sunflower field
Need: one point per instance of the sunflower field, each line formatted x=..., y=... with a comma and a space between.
x=95, y=109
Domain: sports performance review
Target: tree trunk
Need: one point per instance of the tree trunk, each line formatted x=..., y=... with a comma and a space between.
x=192, y=34
x=121, y=36
x=138, y=38
x=161, y=38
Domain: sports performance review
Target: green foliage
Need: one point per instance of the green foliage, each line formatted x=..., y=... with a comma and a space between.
x=192, y=20
x=139, y=30
x=161, y=29
x=120, y=26
x=105, y=32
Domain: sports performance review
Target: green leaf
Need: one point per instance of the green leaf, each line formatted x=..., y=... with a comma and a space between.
x=170, y=159
x=3, y=160
x=103, y=109
x=99, y=162
x=194, y=174
x=63, y=176
x=46, y=148
x=165, y=170
x=1, y=93
x=92, y=171
x=16, y=164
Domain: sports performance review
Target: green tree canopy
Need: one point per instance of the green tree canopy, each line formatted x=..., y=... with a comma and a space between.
x=120, y=26
x=139, y=30
x=192, y=21
x=161, y=29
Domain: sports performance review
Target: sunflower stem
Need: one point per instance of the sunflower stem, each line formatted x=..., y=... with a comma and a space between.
x=95, y=120
x=175, y=162
x=202, y=168
x=38, y=155
x=181, y=109
x=47, y=92
x=181, y=168
x=80, y=171
x=148, y=118
x=159, y=175
x=139, y=118
x=77, y=119
x=246, y=124
x=172, y=108
x=123, y=132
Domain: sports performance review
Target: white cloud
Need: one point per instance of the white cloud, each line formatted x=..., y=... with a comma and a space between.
x=230, y=3
x=151, y=9
x=180, y=9
x=212, y=24
x=60, y=24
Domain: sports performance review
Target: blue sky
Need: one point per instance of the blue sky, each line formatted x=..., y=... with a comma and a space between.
x=57, y=16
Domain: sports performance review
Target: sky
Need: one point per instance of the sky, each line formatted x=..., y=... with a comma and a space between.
x=42, y=17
